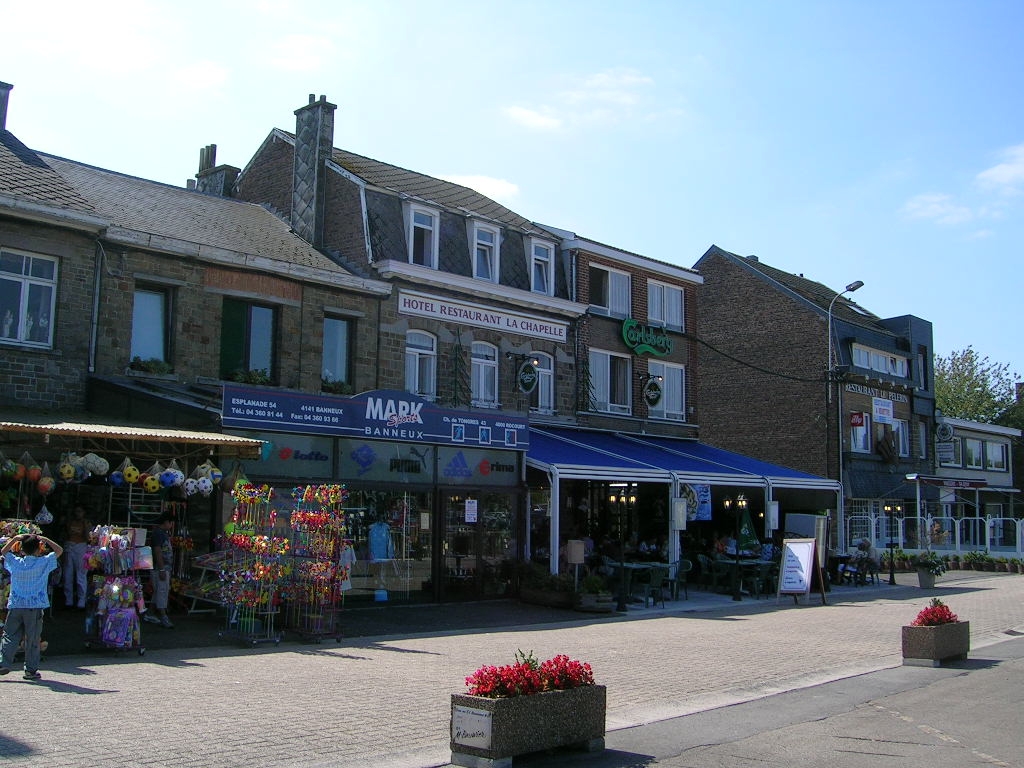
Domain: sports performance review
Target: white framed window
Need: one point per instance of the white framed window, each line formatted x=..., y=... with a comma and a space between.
x=610, y=377
x=882, y=362
x=151, y=324
x=28, y=295
x=421, y=364
x=485, y=252
x=958, y=458
x=336, y=359
x=901, y=430
x=996, y=457
x=423, y=235
x=542, y=399
x=542, y=261
x=664, y=305
x=485, y=375
x=860, y=432
x=609, y=292
x=974, y=453
x=673, y=391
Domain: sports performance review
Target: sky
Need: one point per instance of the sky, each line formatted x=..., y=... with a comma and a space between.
x=868, y=140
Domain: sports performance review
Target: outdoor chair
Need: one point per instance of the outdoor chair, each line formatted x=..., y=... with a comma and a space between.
x=682, y=573
x=654, y=588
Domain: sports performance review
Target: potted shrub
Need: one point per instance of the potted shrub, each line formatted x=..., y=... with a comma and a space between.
x=954, y=563
x=935, y=636
x=539, y=586
x=928, y=566
x=526, y=707
x=594, y=596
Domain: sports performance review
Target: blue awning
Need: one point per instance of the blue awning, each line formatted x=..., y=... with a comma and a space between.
x=615, y=456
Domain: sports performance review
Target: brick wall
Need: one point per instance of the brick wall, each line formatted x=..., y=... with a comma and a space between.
x=772, y=404
x=52, y=379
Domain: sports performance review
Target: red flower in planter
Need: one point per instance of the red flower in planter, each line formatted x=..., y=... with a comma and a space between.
x=936, y=613
x=527, y=677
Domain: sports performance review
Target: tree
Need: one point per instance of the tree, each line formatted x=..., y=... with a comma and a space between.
x=968, y=386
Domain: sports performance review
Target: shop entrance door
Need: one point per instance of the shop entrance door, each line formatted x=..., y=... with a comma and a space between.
x=480, y=548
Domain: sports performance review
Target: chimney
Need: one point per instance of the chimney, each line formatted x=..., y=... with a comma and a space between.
x=314, y=140
x=213, y=179
x=5, y=91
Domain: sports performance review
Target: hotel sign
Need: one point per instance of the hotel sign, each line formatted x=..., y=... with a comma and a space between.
x=480, y=316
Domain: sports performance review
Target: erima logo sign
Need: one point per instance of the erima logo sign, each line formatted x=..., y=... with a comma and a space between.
x=458, y=467
x=393, y=413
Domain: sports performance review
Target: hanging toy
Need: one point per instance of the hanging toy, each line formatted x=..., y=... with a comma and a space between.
x=46, y=483
x=44, y=517
x=129, y=471
x=204, y=485
x=191, y=486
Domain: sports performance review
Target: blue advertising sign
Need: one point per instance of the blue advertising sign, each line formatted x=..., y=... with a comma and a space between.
x=382, y=414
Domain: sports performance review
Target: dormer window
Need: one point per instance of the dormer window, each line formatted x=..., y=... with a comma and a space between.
x=485, y=252
x=541, y=268
x=423, y=232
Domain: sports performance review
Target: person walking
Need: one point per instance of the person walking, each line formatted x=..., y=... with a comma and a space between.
x=76, y=539
x=163, y=558
x=30, y=571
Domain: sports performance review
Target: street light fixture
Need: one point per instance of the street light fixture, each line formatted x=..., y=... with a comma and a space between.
x=830, y=369
x=892, y=510
x=740, y=504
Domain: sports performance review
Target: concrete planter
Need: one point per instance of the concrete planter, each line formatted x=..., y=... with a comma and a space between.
x=925, y=578
x=930, y=646
x=490, y=732
x=547, y=598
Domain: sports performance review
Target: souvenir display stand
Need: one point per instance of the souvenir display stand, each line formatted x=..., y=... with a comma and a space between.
x=321, y=557
x=115, y=602
x=256, y=568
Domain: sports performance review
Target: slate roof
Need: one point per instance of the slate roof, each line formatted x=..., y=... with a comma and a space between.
x=192, y=217
x=444, y=194
x=26, y=175
x=818, y=294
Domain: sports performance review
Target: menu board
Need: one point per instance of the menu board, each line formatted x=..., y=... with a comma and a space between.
x=797, y=562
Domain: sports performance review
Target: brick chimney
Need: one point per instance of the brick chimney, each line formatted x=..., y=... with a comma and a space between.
x=214, y=179
x=314, y=140
x=5, y=92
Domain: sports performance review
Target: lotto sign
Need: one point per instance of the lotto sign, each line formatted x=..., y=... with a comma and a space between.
x=857, y=419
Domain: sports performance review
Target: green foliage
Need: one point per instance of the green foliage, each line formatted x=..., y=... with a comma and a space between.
x=335, y=387
x=593, y=585
x=152, y=365
x=257, y=376
x=537, y=576
x=968, y=386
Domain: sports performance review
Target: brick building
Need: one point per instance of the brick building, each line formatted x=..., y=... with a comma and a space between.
x=768, y=389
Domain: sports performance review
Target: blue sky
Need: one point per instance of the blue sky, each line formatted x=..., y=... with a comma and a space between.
x=874, y=141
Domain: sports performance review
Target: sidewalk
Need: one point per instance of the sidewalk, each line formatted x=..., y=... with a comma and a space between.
x=382, y=698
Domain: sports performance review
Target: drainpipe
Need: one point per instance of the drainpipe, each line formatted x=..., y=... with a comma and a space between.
x=554, y=513
x=95, y=320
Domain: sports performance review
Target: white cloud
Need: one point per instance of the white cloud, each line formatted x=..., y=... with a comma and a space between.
x=1008, y=175
x=938, y=207
x=619, y=87
x=602, y=98
x=981, y=234
x=531, y=118
x=497, y=189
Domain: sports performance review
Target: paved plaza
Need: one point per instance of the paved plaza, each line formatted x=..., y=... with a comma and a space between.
x=384, y=700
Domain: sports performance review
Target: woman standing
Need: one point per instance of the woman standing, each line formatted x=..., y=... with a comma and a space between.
x=76, y=537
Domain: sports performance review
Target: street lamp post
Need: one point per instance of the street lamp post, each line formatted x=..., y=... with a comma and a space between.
x=740, y=505
x=621, y=499
x=830, y=376
x=891, y=510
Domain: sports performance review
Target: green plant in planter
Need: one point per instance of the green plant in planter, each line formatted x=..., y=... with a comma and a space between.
x=930, y=562
x=593, y=585
x=257, y=376
x=538, y=577
x=150, y=365
x=335, y=387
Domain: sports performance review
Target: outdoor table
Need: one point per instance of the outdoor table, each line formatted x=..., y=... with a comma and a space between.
x=626, y=571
